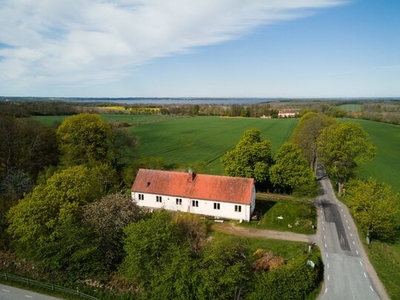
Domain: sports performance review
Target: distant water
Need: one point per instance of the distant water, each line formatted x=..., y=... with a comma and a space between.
x=222, y=101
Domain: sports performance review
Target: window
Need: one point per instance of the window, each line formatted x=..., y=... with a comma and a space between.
x=141, y=196
x=238, y=208
x=217, y=206
x=195, y=203
x=178, y=201
x=158, y=199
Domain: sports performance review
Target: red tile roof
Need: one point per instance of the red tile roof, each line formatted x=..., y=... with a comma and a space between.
x=206, y=187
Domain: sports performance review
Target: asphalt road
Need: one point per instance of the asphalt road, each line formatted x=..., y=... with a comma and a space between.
x=348, y=272
x=12, y=293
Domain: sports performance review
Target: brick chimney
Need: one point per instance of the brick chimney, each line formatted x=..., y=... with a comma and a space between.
x=192, y=175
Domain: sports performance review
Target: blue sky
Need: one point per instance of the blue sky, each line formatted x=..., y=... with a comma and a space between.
x=208, y=48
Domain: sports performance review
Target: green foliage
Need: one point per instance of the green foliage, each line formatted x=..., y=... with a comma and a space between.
x=27, y=146
x=375, y=208
x=307, y=132
x=294, y=281
x=250, y=158
x=106, y=220
x=83, y=139
x=342, y=147
x=224, y=270
x=291, y=170
x=154, y=248
x=35, y=220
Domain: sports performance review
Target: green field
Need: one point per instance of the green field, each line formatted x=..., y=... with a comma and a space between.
x=350, y=107
x=386, y=165
x=186, y=141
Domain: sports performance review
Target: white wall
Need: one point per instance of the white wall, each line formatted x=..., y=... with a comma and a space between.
x=206, y=207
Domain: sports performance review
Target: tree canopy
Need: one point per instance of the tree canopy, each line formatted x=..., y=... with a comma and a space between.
x=83, y=139
x=306, y=135
x=291, y=170
x=375, y=208
x=250, y=158
x=342, y=147
x=35, y=220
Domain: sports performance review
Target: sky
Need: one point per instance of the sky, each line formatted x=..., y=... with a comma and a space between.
x=206, y=48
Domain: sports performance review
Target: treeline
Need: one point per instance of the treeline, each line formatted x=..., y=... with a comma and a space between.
x=380, y=111
x=64, y=218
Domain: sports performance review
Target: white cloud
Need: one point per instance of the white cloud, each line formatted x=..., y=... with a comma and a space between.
x=89, y=40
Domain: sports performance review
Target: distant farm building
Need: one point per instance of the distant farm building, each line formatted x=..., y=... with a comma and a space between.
x=209, y=195
x=288, y=113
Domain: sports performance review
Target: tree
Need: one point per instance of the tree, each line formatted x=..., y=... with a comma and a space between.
x=35, y=221
x=158, y=257
x=342, y=147
x=83, y=139
x=224, y=270
x=251, y=157
x=291, y=170
x=107, y=219
x=306, y=135
x=374, y=207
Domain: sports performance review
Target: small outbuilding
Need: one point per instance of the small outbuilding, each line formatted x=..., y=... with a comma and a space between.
x=221, y=197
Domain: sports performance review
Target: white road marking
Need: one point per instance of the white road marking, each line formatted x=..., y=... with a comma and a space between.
x=28, y=296
x=326, y=246
x=324, y=237
x=348, y=227
x=345, y=216
x=371, y=288
x=347, y=221
x=351, y=234
x=341, y=209
x=365, y=275
x=326, y=254
x=357, y=252
x=327, y=265
x=6, y=291
x=323, y=222
x=360, y=262
x=354, y=242
x=323, y=228
x=328, y=277
x=326, y=289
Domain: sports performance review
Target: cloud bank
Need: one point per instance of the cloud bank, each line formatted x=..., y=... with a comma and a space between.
x=59, y=41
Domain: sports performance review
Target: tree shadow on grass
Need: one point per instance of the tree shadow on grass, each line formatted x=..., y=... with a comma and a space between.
x=262, y=207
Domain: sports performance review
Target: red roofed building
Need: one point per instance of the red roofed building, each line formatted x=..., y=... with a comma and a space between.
x=287, y=113
x=210, y=195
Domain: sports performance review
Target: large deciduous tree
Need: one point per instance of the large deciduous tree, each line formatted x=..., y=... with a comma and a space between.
x=107, y=219
x=306, y=135
x=375, y=207
x=291, y=170
x=250, y=158
x=84, y=139
x=342, y=147
x=40, y=219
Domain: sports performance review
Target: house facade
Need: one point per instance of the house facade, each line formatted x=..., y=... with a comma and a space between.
x=209, y=195
x=287, y=113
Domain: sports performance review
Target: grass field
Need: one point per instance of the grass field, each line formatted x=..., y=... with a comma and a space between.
x=386, y=165
x=350, y=107
x=185, y=141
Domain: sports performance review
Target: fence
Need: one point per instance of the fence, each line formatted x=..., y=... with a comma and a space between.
x=49, y=286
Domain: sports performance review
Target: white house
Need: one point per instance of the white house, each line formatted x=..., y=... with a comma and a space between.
x=209, y=195
x=287, y=113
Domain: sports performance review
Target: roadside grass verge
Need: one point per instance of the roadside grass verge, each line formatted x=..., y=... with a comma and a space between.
x=386, y=260
x=292, y=215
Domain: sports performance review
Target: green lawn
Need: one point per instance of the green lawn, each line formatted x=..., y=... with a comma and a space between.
x=285, y=215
